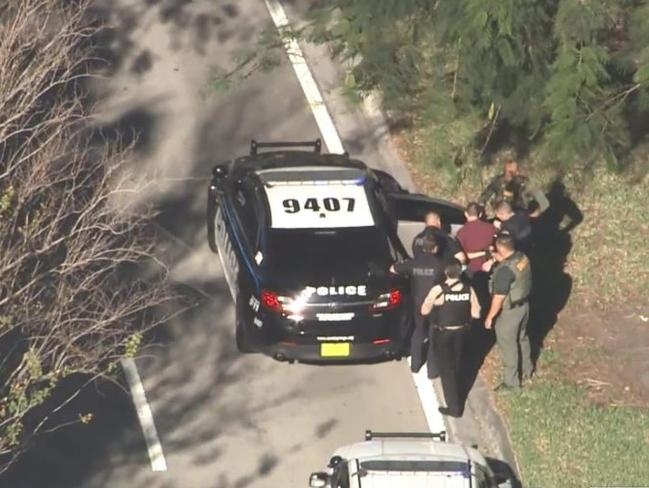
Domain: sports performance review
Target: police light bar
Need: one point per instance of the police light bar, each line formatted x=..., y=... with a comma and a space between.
x=254, y=145
x=441, y=435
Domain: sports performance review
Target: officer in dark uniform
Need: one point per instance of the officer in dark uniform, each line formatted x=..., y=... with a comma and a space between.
x=425, y=271
x=516, y=224
x=510, y=286
x=454, y=303
x=448, y=247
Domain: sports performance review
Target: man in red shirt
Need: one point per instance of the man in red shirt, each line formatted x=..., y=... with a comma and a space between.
x=476, y=237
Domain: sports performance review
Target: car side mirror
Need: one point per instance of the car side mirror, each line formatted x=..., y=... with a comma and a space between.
x=220, y=171
x=319, y=479
x=334, y=461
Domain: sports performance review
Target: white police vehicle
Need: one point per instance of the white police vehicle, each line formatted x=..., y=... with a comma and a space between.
x=407, y=460
x=306, y=240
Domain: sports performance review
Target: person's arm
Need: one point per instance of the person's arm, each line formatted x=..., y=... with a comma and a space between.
x=488, y=264
x=404, y=267
x=503, y=280
x=476, y=254
x=456, y=249
x=488, y=192
x=429, y=301
x=475, y=305
x=495, y=308
x=541, y=199
x=417, y=242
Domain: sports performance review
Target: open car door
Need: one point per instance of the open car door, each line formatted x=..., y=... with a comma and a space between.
x=410, y=210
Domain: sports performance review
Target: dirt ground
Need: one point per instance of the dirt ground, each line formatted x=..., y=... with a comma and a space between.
x=605, y=351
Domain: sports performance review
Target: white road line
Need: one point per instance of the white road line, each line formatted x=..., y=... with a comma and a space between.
x=153, y=445
x=423, y=385
x=428, y=400
x=304, y=76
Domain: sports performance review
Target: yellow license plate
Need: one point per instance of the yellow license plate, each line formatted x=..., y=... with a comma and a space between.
x=335, y=349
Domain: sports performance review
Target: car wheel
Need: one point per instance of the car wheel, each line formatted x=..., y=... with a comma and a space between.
x=242, y=341
x=242, y=336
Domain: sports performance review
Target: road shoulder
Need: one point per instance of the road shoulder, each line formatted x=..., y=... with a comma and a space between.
x=366, y=135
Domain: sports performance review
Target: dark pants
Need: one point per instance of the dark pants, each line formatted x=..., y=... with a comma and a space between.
x=421, y=349
x=480, y=283
x=449, y=351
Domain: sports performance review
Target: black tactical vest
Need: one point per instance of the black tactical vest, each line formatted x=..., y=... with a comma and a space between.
x=456, y=309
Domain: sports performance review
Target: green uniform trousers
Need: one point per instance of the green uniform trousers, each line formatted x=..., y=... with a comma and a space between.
x=514, y=344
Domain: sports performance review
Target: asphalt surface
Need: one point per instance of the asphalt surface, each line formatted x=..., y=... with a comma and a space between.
x=223, y=419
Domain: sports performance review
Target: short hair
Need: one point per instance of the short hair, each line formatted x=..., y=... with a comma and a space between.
x=429, y=242
x=453, y=269
x=503, y=206
x=432, y=215
x=473, y=209
x=505, y=240
x=510, y=162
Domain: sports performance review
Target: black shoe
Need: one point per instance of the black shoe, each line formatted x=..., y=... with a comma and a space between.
x=451, y=413
x=504, y=387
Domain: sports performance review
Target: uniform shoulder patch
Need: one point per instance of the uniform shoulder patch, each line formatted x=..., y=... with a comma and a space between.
x=523, y=263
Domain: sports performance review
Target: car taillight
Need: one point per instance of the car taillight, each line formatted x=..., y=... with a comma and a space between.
x=387, y=301
x=271, y=300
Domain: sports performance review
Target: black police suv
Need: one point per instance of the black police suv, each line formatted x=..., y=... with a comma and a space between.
x=306, y=241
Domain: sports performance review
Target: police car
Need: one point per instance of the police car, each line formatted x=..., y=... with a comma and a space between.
x=412, y=460
x=306, y=240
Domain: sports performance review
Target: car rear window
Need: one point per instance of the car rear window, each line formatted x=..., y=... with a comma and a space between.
x=326, y=248
x=318, y=205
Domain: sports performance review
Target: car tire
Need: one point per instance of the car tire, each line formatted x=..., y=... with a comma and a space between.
x=243, y=345
x=242, y=338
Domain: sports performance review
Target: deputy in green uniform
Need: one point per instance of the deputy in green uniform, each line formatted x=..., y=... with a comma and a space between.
x=512, y=187
x=510, y=286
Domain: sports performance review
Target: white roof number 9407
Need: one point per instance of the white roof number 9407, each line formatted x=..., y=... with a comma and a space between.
x=318, y=206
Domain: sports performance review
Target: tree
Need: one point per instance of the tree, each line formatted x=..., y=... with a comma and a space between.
x=563, y=74
x=79, y=285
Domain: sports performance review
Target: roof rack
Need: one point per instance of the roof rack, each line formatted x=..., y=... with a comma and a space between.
x=441, y=435
x=254, y=145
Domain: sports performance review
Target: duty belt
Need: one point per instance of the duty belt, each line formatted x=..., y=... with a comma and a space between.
x=451, y=327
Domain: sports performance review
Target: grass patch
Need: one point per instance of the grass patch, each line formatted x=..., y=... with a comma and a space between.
x=562, y=440
x=608, y=260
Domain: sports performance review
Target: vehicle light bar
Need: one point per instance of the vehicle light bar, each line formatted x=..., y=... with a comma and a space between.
x=254, y=145
x=357, y=181
x=441, y=435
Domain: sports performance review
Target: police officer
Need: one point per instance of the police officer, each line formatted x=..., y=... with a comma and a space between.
x=517, y=224
x=510, y=287
x=425, y=271
x=448, y=247
x=453, y=303
x=510, y=186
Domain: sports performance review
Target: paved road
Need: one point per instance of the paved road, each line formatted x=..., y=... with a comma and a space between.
x=224, y=420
